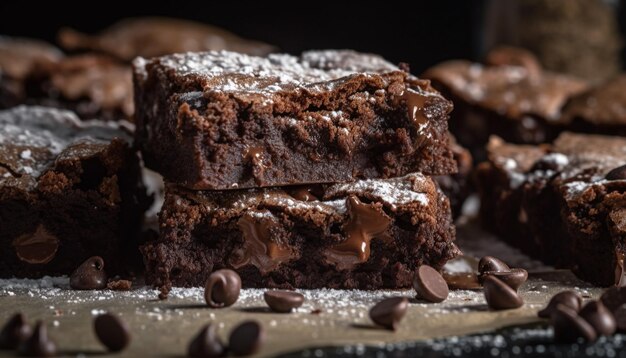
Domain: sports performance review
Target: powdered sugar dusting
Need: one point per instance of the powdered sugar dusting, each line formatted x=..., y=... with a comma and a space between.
x=236, y=72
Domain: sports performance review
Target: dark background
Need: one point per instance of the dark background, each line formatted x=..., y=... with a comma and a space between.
x=421, y=33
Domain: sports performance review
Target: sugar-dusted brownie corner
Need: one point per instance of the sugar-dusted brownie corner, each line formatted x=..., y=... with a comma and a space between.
x=223, y=120
x=511, y=96
x=368, y=234
x=563, y=203
x=68, y=190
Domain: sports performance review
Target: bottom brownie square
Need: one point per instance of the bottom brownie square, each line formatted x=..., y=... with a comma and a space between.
x=564, y=203
x=368, y=234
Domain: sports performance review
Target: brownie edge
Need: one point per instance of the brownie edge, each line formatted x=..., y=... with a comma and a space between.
x=369, y=234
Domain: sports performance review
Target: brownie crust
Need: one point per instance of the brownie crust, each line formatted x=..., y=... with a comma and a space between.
x=221, y=120
x=369, y=234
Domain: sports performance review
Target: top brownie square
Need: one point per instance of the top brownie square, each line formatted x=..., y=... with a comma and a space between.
x=223, y=120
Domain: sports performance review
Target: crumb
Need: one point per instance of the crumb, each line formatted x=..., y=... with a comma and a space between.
x=119, y=285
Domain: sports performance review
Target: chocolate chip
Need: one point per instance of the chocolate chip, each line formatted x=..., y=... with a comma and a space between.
x=514, y=278
x=283, y=301
x=430, y=285
x=492, y=264
x=569, y=327
x=389, y=312
x=90, y=275
x=38, y=344
x=222, y=288
x=569, y=299
x=14, y=332
x=206, y=344
x=599, y=317
x=614, y=297
x=246, y=339
x=112, y=332
x=618, y=173
x=620, y=318
x=499, y=295
x=39, y=247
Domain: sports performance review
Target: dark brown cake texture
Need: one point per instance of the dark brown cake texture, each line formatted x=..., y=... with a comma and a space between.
x=368, y=234
x=457, y=187
x=69, y=190
x=158, y=36
x=563, y=203
x=222, y=120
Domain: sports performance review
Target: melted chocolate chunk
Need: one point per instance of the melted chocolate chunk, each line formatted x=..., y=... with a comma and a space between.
x=39, y=247
x=259, y=248
x=367, y=221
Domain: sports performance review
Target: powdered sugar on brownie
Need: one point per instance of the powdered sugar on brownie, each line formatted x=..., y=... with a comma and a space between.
x=235, y=72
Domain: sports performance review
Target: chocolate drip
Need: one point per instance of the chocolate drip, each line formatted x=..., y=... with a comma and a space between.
x=39, y=247
x=303, y=193
x=258, y=248
x=254, y=155
x=367, y=221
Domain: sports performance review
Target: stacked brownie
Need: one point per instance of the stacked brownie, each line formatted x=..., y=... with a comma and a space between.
x=563, y=203
x=308, y=171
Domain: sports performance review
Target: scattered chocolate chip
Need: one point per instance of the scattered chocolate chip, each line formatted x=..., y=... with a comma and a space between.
x=112, y=332
x=614, y=297
x=38, y=344
x=283, y=301
x=499, y=295
x=206, y=344
x=120, y=285
x=492, y=264
x=316, y=311
x=569, y=327
x=618, y=173
x=569, y=299
x=430, y=285
x=462, y=280
x=14, y=332
x=90, y=275
x=599, y=317
x=620, y=318
x=246, y=339
x=514, y=278
x=222, y=288
x=389, y=312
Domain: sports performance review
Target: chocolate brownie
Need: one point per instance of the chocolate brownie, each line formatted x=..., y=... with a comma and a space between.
x=19, y=57
x=562, y=203
x=367, y=234
x=516, y=101
x=68, y=190
x=601, y=109
x=222, y=120
x=157, y=36
x=92, y=86
x=457, y=187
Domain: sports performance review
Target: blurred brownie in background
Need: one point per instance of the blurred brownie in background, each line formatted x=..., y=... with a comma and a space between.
x=457, y=187
x=601, y=109
x=69, y=190
x=157, y=36
x=92, y=86
x=510, y=96
x=563, y=203
x=19, y=58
